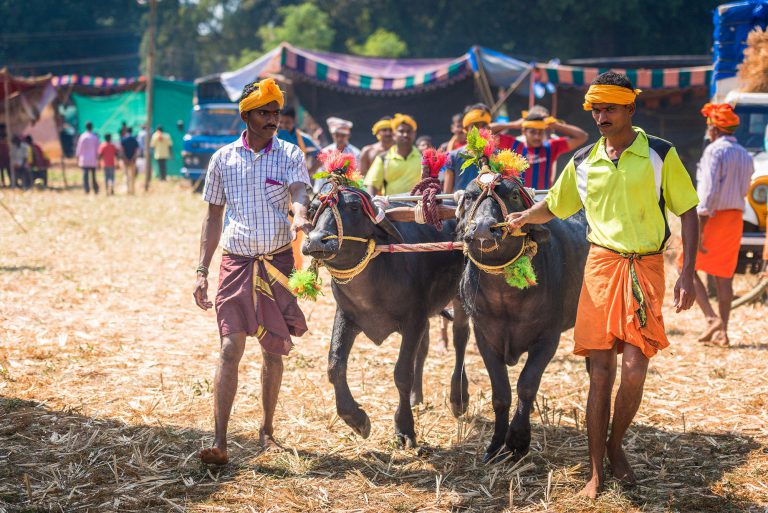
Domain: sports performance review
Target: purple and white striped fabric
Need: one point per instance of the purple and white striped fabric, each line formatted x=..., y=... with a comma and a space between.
x=723, y=176
x=254, y=187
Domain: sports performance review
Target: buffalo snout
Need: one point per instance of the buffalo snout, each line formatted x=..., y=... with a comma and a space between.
x=320, y=244
x=483, y=229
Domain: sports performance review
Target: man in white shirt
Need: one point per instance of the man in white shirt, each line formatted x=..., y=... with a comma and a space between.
x=256, y=178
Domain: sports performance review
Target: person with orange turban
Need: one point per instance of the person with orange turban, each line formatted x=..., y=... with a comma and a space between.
x=250, y=185
x=382, y=131
x=723, y=178
x=625, y=183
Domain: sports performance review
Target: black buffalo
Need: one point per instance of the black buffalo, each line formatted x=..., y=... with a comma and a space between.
x=510, y=321
x=396, y=292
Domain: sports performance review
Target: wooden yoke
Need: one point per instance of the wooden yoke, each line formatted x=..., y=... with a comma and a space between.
x=407, y=214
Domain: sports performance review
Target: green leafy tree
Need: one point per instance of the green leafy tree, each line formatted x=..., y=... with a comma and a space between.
x=304, y=25
x=381, y=43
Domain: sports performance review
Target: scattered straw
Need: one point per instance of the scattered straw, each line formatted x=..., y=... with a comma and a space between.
x=106, y=370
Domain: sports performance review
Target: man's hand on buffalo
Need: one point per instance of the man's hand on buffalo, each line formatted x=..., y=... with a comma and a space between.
x=517, y=220
x=300, y=221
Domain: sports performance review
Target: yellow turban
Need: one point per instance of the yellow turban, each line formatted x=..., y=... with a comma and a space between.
x=539, y=124
x=475, y=116
x=382, y=123
x=399, y=119
x=609, y=94
x=266, y=91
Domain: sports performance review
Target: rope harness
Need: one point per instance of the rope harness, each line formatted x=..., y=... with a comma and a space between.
x=487, y=189
x=344, y=276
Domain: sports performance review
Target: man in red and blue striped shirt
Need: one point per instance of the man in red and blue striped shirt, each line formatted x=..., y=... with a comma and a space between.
x=541, y=150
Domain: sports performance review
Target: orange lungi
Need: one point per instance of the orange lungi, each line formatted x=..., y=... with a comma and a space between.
x=721, y=239
x=620, y=301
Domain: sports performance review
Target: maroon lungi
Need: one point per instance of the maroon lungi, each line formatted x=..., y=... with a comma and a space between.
x=274, y=316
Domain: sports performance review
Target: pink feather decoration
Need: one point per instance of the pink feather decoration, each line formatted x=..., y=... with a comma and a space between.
x=333, y=161
x=490, y=146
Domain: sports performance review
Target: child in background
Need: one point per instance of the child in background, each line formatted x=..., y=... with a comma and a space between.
x=107, y=155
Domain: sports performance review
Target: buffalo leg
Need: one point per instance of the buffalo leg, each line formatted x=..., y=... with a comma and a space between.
x=459, y=383
x=417, y=394
x=501, y=397
x=519, y=434
x=344, y=333
x=404, y=373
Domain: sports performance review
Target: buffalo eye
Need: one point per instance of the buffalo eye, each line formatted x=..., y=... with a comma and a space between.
x=354, y=207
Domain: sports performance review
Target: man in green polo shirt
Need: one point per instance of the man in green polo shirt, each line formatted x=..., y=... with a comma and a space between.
x=625, y=183
x=399, y=169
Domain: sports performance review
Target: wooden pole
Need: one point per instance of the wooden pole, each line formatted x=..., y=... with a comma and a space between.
x=150, y=91
x=8, y=132
x=512, y=89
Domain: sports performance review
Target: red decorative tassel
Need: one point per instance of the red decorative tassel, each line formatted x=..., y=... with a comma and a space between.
x=434, y=160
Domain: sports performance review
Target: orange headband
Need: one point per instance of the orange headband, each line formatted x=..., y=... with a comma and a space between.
x=609, y=94
x=721, y=115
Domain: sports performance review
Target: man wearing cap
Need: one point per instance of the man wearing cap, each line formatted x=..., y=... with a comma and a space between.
x=541, y=150
x=723, y=178
x=625, y=183
x=399, y=169
x=340, y=130
x=256, y=178
x=382, y=130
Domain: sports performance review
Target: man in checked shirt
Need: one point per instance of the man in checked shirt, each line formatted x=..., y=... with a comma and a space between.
x=248, y=188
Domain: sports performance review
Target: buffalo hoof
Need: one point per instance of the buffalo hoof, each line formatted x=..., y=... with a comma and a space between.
x=416, y=398
x=459, y=405
x=359, y=422
x=495, y=454
x=406, y=441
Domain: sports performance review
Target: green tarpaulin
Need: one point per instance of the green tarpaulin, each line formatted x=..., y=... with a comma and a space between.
x=172, y=103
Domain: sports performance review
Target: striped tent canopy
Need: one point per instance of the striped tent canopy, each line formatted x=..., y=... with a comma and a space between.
x=646, y=79
x=351, y=73
x=373, y=74
x=91, y=81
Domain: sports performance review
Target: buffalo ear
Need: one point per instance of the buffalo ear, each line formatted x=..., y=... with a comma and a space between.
x=387, y=226
x=538, y=233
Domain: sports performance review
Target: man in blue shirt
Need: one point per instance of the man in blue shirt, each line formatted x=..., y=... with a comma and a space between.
x=130, y=147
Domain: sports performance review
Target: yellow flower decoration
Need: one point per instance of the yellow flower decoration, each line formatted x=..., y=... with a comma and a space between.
x=508, y=162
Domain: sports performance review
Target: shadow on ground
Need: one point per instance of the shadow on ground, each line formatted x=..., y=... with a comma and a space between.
x=64, y=461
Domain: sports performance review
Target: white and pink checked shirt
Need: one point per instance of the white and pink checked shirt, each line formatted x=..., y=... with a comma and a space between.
x=88, y=150
x=254, y=187
x=723, y=177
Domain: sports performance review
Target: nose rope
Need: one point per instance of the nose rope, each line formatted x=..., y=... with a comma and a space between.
x=527, y=248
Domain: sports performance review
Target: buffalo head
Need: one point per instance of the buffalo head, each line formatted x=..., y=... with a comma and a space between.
x=480, y=214
x=358, y=217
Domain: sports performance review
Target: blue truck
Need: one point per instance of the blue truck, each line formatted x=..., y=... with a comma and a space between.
x=213, y=122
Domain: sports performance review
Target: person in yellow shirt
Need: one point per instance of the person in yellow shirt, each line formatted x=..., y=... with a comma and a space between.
x=399, y=169
x=162, y=144
x=625, y=183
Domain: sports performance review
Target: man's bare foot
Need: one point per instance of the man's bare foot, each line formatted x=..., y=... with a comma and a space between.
x=621, y=468
x=713, y=326
x=593, y=487
x=214, y=456
x=721, y=339
x=268, y=443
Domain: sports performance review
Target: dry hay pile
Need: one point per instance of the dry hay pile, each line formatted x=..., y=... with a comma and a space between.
x=753, y=71
x=105, y=395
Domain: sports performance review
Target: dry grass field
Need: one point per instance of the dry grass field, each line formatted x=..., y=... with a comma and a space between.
x=106, y=368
